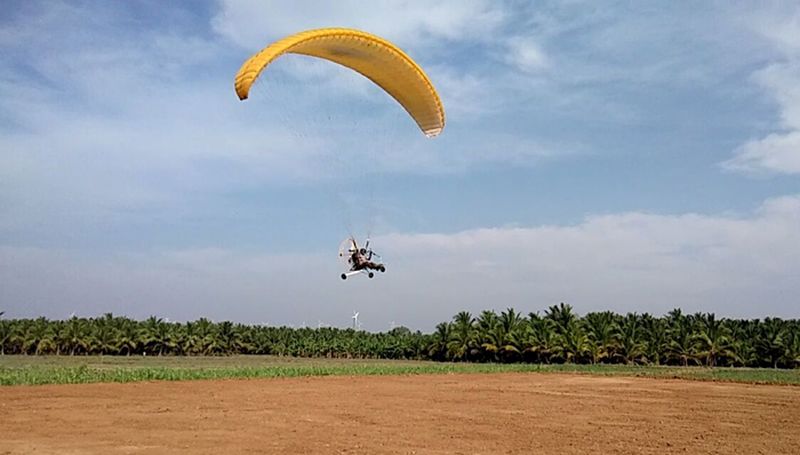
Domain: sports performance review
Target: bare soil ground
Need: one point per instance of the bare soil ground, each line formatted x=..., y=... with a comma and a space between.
x=436, y=414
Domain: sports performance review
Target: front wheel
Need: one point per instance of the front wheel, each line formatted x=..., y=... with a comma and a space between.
x=344, y=276
x=371, y=274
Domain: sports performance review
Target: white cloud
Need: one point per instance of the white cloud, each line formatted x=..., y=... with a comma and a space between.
x=526, y=55
x=463, y=95
x=741, y=266
x=781, y=80
x=780, y=24
x=252, y=24
x=778, y=152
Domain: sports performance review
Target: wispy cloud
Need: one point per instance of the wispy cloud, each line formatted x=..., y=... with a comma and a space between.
x=252, y=24
x=734, y=265
x=625, y=262
x=526, y=55
x=778, y=152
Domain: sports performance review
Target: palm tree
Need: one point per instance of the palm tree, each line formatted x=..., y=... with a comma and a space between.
x=572, y=340
x=462, y=336
x=681, y=341
x=507, y=335
x=262, y=343
x=712, y=339
x=157, y=335
x=485, y=325
x=562, y=317
x=76, y=335
x=656, y=340
x=38, y=338
x=674, y=316
x=187, y=338
x=129, y=337
x=560, y=335
x=791, y=344
x=437, y=348
x=6, y=332
x=105, y=339
x=231, y=339
x=629, y=338
x=770, y=344
x=206, y=334
x=58, y=330
x=540, y=341
x=17, y=339
x=744, y=337
x=503, y=336
x=486, y=321
x=599, y=328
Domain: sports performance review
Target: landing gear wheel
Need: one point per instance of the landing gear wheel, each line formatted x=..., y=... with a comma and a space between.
x=382, y=269
x=344, y=276
x=371, y=274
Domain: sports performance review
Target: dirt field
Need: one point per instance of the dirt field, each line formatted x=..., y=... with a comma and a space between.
x=474, y=413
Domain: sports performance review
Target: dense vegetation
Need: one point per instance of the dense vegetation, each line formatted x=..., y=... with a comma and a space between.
x=557, y=336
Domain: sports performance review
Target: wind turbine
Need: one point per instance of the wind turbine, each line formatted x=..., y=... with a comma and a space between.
x=355, y=320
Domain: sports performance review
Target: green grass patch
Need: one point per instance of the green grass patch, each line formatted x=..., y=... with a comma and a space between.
x=35, y=370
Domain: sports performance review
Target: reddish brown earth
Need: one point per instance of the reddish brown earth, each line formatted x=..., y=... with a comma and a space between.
x=477, y=413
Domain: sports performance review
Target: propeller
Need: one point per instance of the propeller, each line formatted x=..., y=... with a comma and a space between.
x=371, y=253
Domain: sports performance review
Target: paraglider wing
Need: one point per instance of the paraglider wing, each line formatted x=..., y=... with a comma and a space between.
x=375, y=58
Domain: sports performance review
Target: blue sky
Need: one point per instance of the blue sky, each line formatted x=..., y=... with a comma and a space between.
x=632, y=157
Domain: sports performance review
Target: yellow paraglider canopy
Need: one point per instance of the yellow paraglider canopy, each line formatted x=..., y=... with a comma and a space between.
x=377, y=59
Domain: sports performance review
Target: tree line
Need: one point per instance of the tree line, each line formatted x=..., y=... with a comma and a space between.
x=558, y=335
